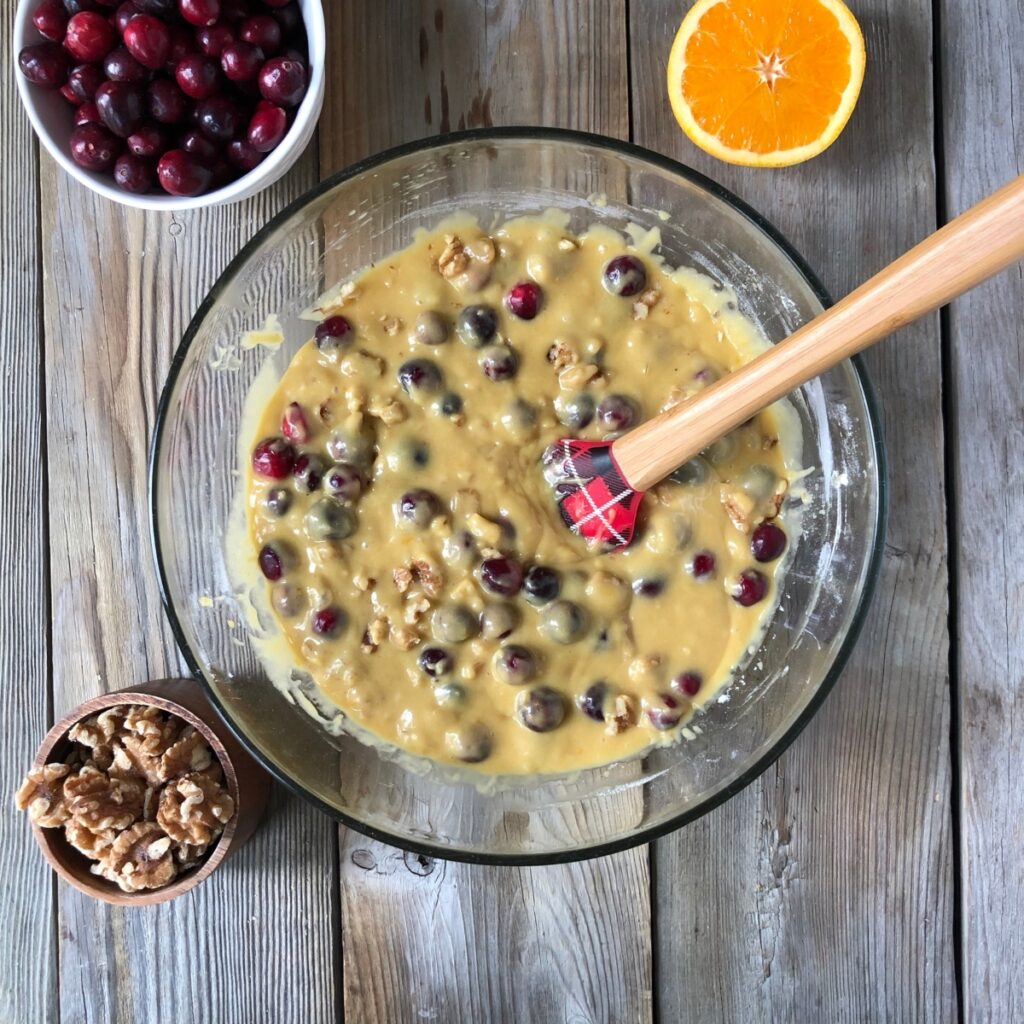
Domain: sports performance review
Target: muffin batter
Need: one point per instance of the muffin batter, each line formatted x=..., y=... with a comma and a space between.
x=415, y=559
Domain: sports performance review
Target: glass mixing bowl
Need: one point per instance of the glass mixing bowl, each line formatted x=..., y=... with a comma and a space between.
x=360, y=216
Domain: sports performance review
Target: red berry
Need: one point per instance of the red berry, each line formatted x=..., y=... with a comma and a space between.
x=90, y=36
x=133, y=173
x=69, y=94
x=666, y=714
x=121, y=106
x=243, y=156
x=199, y=12
x=121, y=66
x=148, y=40
x=703, y=565
x=767, y=542
x=241, y=61
x=212, y=40
x=273, y=458
x=267, y=127
x=124, y=14
x=327, y=622
x=332, y=333
x=51, y=20
x=523, y=300
x=289, y=18
x=182, y=174
x=283, y=81
x=87, y=114
x=44, y=64
x=183, y=43
x=198, y=145
x=263, y=31
x=148, y=141
x=197, y=76
x=294, y=425
x=84, y=80
x=751, y=587
x=94, y=147
x=688, y=683
x=270, y=561
x=217, y=118
x=166, y=102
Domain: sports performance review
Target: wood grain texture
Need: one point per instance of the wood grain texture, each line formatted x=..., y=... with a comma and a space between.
x=256, y=941
x=425, y=939
x=825, y=889
x=28, y=970
x=983, y=100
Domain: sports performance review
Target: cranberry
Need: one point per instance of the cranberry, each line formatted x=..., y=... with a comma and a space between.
x=502, y=576
x=166, y=102
x=94, y=147
x=147, y=141
x=121, y=107
x=148, y=40
x=120, y=66
x=767, y=542
x=221, y=172
x=44, y=64
x=688, y=683
x=289, y=18
x=523, y=300
x=541, y=584
x=87, y=114
x=69, y=94
x=333, y=333
x=124, y=14
x=271, y=562
x=182, y=45
x=751, y=587
x=616, y=413
x=196, y=144
x=77, y=6
x=200, y=12
x=196, y=76
x=161, y=8
x=328, y=622
x=212, y=40
x=703, y=565
x=217, y=118
x=84, y=80
x=625, y=276
x=263, y=31
x=278, y=501
x=267, y=127
x=182, y=174
x=514, y=664
x=273, y=457
x=541, y=709
x=648, y=586
x=667, y=713
x=241, y=61
x=498, y=362
x=477, y=325
x=419, y=507
x=419, y=376
x=436, y=662
x=344, y=482
x=283, y=81
x=591, y=701
x=294, y=425
x=243, y=156
x=133, y=173
x=90, y=36
x=309, y=472
x=233, y=10
x=51, y=20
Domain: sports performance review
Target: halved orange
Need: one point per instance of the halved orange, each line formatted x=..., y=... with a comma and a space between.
x=765, y=83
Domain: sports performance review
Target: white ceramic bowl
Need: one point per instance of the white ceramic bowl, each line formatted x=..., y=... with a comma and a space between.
x=52, y=117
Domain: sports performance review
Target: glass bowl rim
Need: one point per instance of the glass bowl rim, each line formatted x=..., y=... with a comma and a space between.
x=664, y=163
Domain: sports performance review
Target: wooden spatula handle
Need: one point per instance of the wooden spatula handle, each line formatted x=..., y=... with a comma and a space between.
x=978, y=244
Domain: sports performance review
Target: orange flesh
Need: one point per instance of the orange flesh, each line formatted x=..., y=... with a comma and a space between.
x=730, y=99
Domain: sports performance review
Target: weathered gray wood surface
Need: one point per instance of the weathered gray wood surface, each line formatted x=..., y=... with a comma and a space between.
x=826, y=889
x=983, y=141
x=28, y=986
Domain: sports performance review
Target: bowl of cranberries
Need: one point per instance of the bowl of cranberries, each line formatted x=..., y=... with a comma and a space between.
x=172, y=104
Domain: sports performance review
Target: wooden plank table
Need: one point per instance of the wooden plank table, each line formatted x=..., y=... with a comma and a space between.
x=874, y=873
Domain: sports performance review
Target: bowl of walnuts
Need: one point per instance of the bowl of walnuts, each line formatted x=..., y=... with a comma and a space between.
x=139, y=795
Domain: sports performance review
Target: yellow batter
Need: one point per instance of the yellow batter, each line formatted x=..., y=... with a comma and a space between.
x=415, y=559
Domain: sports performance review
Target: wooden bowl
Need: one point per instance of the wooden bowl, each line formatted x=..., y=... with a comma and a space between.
x=247, y=782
